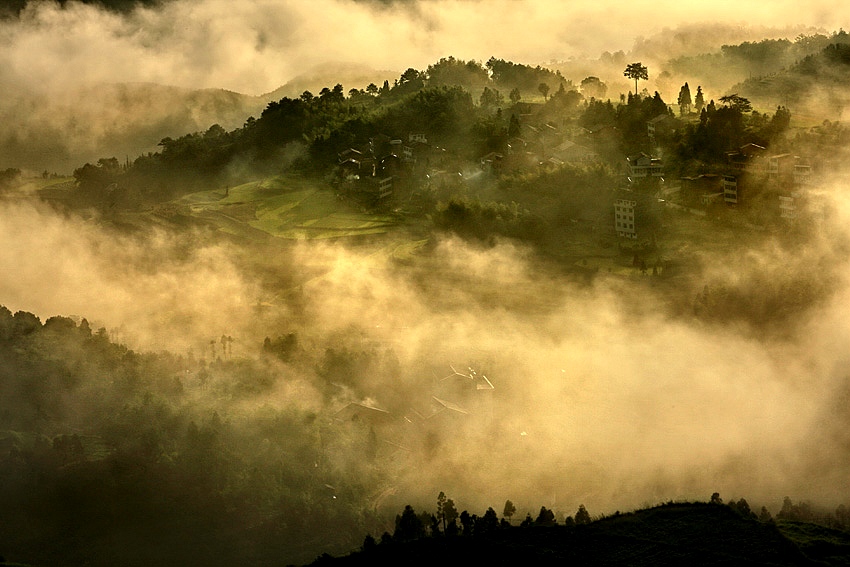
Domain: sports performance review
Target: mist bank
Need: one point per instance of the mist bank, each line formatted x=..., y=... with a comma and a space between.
x=608, y=393
x=256, y=46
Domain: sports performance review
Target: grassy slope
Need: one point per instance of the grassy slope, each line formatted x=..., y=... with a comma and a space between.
x=286, y=207
x=829, y=546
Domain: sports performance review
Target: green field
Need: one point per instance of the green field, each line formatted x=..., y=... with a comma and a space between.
x=285, y=207
x=48, y=187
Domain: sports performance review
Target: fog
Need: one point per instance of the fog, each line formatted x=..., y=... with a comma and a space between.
x=254, y=47
x=604, y=394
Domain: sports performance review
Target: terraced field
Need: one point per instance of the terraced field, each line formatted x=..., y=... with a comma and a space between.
x=285, y=207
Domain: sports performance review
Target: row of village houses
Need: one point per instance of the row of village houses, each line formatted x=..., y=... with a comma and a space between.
x=385, y=166
x=749, y=169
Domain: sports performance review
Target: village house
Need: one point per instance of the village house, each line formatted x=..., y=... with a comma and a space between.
x=748, y=158
x=704, y=189
x=789, y=175
x=570, y=152
x=492, y=163
x=642, y=166
x=661, y=125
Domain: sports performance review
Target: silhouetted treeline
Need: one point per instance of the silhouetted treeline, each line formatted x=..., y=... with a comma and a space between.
x=668, y=534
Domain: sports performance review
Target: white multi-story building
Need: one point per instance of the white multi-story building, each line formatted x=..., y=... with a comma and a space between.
x=787, y=207
x=730, y=189
x=624, y=218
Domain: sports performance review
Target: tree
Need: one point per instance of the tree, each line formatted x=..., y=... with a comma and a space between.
x=582, y=516
x=592, y=87
x=716, y=499
x=491, y=98
x=488, y=523
x=544, y=90
x=409, y=75
x=684, y=100
x=514, y=128
x=441, y=503
x=467, y=522
x=765, y=516
x=546, y=517
x=637, y=72
x=372, y=89
x=737, y=102
x=509, y=510
x=449, y=517
x=408, y=526
x=10, y=177
x=787, y=512
x=778, y=124
x=514, y=95
x=699, y=100
x=743, y=508
x=449, y=71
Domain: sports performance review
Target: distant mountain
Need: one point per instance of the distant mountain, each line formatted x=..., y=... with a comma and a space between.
x=61, y=132
x=816, y=83
x=58, y=133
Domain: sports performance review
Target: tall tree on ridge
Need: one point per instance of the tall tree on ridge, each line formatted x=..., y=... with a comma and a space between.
x=636, y=71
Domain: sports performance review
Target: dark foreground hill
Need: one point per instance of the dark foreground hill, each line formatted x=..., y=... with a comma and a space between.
x=680, y=534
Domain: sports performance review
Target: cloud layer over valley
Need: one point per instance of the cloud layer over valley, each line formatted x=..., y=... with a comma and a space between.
x=605, y=393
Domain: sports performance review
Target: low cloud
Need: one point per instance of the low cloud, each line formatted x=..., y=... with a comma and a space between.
x=254, y=47
x=604, y=394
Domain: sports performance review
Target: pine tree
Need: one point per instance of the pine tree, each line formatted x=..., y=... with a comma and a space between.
x=582, y=516
x=685, y=100
x=699, y=100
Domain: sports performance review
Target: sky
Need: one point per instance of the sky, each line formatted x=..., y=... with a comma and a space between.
x=254, y=46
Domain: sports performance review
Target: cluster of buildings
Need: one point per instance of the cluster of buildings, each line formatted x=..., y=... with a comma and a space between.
x=385, y=167
x=779, y=181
